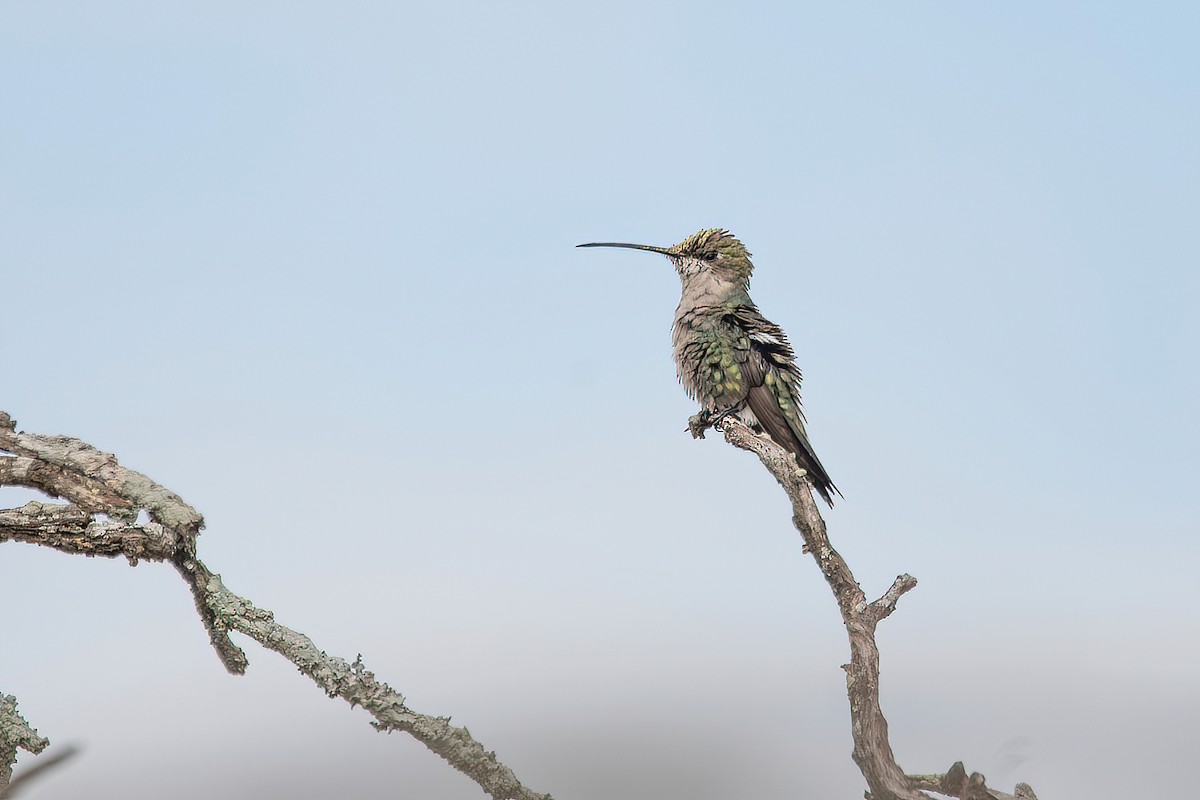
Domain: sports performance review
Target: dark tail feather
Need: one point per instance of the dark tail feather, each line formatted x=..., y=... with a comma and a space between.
x=807, y=459
x=766, y=408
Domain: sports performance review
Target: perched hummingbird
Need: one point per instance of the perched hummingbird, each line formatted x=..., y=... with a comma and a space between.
x=728, y=355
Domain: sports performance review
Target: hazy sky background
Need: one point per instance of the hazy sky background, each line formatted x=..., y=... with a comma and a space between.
x=311, y=266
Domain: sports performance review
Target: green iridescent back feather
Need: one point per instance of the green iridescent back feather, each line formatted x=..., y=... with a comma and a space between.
x=729, y=355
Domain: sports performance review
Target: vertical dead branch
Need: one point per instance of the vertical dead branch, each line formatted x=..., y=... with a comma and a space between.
x=872, y=748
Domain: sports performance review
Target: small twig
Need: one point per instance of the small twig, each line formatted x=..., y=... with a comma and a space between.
x=15, y=734
x=885, y=605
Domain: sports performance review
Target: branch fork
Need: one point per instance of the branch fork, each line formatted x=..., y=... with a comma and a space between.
x=872, y=749
x=100, y=519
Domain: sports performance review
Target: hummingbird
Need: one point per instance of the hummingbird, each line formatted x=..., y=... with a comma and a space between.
x=728, y=356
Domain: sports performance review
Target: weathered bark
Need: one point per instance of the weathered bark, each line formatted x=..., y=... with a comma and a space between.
x=97, y=486
x=104, y=499
x=957, y=783
x=872, y=748
x=15, y=734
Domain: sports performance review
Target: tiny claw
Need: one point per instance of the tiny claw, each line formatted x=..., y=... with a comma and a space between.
x=698, y=424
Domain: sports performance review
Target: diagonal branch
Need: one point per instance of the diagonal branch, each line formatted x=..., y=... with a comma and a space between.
x=96, y=484
x=885, y=605
x=358, y=686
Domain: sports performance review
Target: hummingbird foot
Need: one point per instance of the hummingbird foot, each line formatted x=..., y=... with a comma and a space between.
x=699, y=423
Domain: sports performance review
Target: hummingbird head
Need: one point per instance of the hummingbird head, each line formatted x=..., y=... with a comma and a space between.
x=714, y=251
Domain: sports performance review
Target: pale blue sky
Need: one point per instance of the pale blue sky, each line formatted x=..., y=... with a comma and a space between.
x=311, y=266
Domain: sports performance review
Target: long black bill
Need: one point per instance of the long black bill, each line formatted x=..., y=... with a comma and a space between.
x=661, y=250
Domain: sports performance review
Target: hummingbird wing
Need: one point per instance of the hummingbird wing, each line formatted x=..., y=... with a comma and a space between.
x=768, y=366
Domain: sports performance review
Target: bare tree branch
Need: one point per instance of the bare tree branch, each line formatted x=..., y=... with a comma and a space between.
x=872, y=749
x=96, y=484
x=84, y=475
x=72, y=530
x=56, y=481
x=957, y=783
x=355, y=684
x=15, y=734
x=885, y=605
